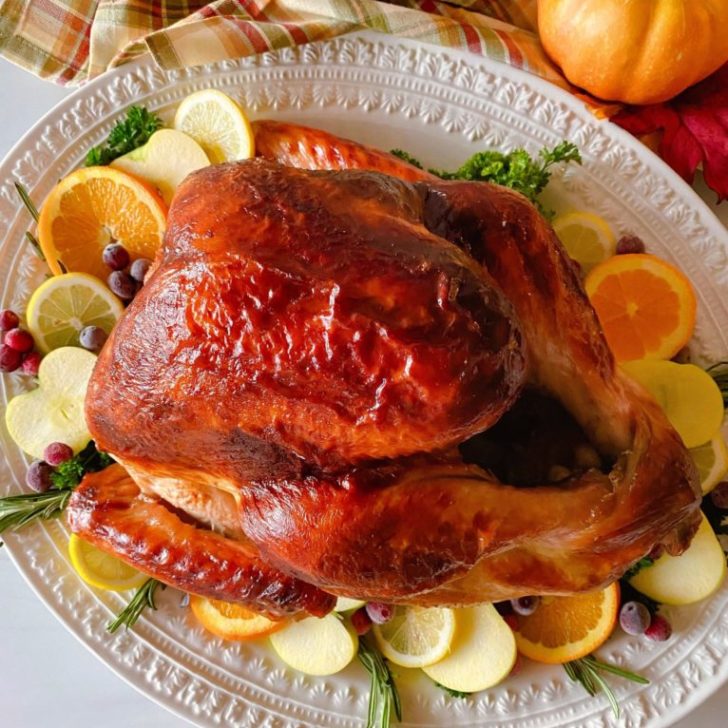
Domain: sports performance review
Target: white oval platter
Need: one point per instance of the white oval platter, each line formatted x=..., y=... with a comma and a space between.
x=441, y=106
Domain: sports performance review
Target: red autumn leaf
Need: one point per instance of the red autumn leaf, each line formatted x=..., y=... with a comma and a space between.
x=695, y=130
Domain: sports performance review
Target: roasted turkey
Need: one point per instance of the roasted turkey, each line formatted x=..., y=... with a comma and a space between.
x=365, y=381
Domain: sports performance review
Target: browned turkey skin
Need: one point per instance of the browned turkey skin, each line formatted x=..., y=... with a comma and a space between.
x=302, y=364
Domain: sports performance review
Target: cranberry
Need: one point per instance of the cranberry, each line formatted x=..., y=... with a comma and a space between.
x=379, y=613
x=630, y=244
x=115, y=256
x=122, y=284
x=31, y=363
x=139, y=269
x=10, y=359
x=719, y=496
x=57, y=453
x=660, y=629
x=8, y=319
x=38, y=476
x=511, y=620
x=634, y=618
x=19, y=339
x=92, y=338
x=361, y=622
x=525, y=605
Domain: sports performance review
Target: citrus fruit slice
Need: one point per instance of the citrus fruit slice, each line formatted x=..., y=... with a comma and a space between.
x=63, y=305
x=345, y=604
x=232, y=621
x=218, y=124
x=53, y=412
x=691, y=577
x=711, y=460
x=100, y=569
x=567, y=628
x=416, y=636
x=645, y=306
x=482, y=653
x=588, y=239
x=688, y=395
x=93, y=207
x=316, y=646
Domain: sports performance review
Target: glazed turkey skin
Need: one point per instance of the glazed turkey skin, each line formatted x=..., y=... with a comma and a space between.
x=289, y=389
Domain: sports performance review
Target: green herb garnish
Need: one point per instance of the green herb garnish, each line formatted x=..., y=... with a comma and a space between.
x=143, y=598
x=19, y=510
x=517, y=169
x=452, y=693
x=33, y=210
x=383, y=695
x=643, y=563
x=587, y=672
x=127, y=135
x=719, y=372
x=70, y=473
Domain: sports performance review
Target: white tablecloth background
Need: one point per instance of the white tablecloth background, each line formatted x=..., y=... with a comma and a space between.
x=47, y=678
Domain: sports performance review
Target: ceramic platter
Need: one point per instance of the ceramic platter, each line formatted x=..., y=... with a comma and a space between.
x=441, y=106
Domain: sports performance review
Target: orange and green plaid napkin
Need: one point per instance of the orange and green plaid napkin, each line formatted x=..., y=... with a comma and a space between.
x=71, y=41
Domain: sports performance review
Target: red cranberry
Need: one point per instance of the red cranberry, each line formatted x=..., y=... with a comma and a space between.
x=115, y=256
x=630, y=244
x=38, y=476
x=379, y=613
x=511, y=620
x=31, y=363
x=525, y=605
x=122, y=285
x=8, y=319
x=9, y=358
x=659, y=630
x=19, y=339
x=57, y=453
x=361, y=622
x=139, y=268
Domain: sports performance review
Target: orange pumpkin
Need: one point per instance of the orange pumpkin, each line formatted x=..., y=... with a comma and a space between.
x=637, y=51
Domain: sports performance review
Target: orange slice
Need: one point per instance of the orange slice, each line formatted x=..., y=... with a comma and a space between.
x=93, y=207
x=232, y=621
x=645, y=306
x=567, y=628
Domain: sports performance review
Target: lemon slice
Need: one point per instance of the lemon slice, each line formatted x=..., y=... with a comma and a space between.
x=689, y=396
x=416, y=636
x=65, y=304
x=102, y=570
x=711, y=460
x=588, y=239
x=218, y=124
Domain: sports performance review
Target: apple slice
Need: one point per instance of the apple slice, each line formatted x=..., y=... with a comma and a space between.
x=164, y=161
x=316, y=646
x=483, y=651
x=344, y=604
x=688, y=578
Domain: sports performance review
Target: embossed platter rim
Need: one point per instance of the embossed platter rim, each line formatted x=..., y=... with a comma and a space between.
x=441, y=105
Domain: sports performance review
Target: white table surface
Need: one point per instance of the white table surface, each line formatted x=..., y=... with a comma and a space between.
x=47, y=678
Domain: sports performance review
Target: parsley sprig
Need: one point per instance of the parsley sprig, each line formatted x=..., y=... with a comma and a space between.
x=587, y=671
x=383, y=695
x=128, y=134
x=517, y=169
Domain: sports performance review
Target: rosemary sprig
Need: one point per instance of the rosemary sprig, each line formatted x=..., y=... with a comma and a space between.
x=719, y=372
x=383, y=695
x=33, y=210
x=587, y=672
x=143, y=598
x=18, y=510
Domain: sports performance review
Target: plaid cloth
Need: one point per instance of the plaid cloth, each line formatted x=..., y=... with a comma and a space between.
x=71, y=41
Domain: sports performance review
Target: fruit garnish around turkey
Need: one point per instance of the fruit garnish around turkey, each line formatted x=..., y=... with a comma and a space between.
x=53, y=412
x=588, y=238
x=64, y=305
x=711, y=459
x=232, y=621
x=563, y=629
x=218, y=124
x=101, y=570
x=96, y=206
x=645, y=305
